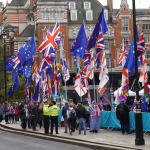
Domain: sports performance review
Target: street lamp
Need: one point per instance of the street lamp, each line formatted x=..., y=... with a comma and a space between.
x=138, y=115
x=4, y=37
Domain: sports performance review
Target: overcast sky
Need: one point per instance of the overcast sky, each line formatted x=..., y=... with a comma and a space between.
x=116, y=3
x=139, y=3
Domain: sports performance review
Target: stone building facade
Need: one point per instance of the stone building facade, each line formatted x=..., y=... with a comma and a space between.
x=23, y=18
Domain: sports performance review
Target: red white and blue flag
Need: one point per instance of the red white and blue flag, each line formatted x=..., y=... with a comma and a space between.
x=52, y=40
x=100, y=47
x=57, y=77
x=134, y=105
x=123, y=55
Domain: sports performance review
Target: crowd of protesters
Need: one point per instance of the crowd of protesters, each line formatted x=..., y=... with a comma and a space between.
x=44, y=114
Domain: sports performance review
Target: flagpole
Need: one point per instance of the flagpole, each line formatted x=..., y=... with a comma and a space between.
x=138, y=115
x=66, y=90
x=80, y=81
x=111, y=67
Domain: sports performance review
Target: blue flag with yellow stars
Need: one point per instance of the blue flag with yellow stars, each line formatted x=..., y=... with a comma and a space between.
x=27, y=69
x=78, y=47
x=28, y=51
x=14, y=86
x=144, y=105
x=130, y=61
x=101, y=22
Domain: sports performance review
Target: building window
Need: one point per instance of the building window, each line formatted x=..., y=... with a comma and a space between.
x=20, y=45
x=108, y=62
x=147, y=54
x=146, y=39
x=125, y=24
x=146, y=26
x=45, y=15
x=8, y=35
x=126, y=40
x=118, y=54
x=107, y=45
x=124, y=9
x=87, y=5
x=87, y=32
x=29, y=19
x=59, y=14
x=74, y=15
x=44, y=33
x=89, y=15
x=72, y=5
x=109, y=31
x=52, y=15
x=70, y=33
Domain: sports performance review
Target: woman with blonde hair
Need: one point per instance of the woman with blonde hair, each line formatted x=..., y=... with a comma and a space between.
x=40, y=114
x=94, y=117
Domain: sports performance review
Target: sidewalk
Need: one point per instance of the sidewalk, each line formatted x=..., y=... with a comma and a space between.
x=103, y=136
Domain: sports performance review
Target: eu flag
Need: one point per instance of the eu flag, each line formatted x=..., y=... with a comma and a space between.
x=78, y=47
x=27, y=69
x=36, y=92
x=17, y=71
x=28, y=51
x=14, y=86
x=49, y=72
x=101, y=21
x=144, y=105
x=130, y=61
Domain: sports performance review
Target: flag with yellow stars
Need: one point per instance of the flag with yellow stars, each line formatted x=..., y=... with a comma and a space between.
x=78, y=47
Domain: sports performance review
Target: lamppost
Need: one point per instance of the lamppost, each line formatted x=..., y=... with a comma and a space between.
x=4, y=37
x=138, y=115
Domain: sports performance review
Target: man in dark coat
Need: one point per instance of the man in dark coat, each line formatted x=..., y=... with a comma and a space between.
x=122, y=113
x=30, y=114
x=64, y=114
x=24, y=116
x=35, y=115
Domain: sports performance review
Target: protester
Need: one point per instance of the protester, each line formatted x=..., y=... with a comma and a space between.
x=16, y=113
x=6, y=113
x=30, y=114
x=21, y=106
x=46, y=111
x=35, y=115
x=1, y=112
x=94, y=117
x=12, y=113
x=122, y=113
x=54, y=117
x=40, y=114
x=24, y=114
x=80, y=116
x=64, y=114
x=71, y=114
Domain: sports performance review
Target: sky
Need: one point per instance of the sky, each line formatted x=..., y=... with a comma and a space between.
x=116, y=3
x=139, y=3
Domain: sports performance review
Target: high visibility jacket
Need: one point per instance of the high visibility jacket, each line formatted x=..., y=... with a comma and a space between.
x=46, y=110
x=54, y=110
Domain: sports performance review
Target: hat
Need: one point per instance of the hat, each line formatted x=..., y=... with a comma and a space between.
x=45, y=102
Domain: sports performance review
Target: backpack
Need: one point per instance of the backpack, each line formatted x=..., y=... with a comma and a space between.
x=121, y=110
x=72, y=113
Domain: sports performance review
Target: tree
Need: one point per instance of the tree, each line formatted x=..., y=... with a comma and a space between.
x=2, y=79
x=20, y=92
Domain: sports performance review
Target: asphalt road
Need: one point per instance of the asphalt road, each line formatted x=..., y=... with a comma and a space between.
x=10, y=141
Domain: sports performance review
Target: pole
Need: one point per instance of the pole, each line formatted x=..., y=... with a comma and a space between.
x=111, y=73
x=138, y=115
x=5, y=70
x=66, y=90
x=93, y=82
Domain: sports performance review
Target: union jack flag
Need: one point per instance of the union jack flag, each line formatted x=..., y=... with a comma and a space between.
x=123, y=55
x=134, y=105
x=52, y=40
x=100, y=47
x=141, y=48
x=47, y=61
x=84, y=80
x=57, y=77
x=101, y=102
x=16, y=61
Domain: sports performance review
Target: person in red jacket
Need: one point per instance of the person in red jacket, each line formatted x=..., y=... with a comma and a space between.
x=16, y=113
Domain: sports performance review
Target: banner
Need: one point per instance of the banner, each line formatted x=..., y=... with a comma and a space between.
x=124, y=93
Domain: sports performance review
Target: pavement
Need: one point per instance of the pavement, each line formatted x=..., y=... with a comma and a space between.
x=103, y=137
x=11, y=141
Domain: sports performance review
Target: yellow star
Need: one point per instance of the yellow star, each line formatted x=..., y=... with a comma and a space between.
x=77, y=50
x=92, y=37
x=81, y=47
